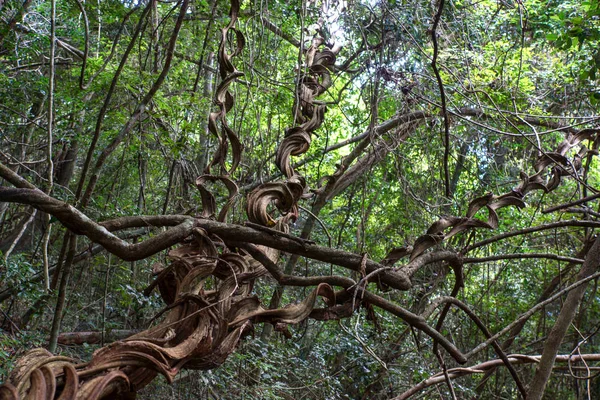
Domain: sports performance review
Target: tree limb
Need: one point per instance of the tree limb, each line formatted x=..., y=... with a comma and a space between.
x=514, y=359
x=414, y=320
x=80, y=224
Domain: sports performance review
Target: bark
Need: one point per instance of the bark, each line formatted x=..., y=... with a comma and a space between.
x=13, y=234
x=460, y=166
x=79, y=338
x=66, y=165
x=208, y=90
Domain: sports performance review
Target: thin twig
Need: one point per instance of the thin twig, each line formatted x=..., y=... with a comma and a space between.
x=582, y=211
x=86, y=24
x=553, y=225
x=529, y=313
x=445, y=372
x=487, y=366
x=462, y=306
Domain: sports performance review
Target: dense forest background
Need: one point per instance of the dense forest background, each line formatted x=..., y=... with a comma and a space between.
x=426, y=170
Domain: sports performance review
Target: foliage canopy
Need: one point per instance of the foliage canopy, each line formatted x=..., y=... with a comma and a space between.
x=333, y=199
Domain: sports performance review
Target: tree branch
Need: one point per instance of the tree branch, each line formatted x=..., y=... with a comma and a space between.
x=553, y=225
x=277, y=30
x=80, y=224
x=573, y=203
x=514, y=359
x=412, y=319
x=530, y=312
x=459, y=304
x=436, y=21
x=522, y=255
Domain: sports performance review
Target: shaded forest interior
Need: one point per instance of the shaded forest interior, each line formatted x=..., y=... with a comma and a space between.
x=319, y=199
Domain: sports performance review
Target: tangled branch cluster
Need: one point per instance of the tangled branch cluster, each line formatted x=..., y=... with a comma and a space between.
x=207, y=287
x=210, y=307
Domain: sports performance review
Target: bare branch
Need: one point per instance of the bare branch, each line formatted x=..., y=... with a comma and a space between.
x=530, y=312
x=522, y=255
x=78, y=338
x=410, y=318
x=552, y=225
x=436, y=21
x=486, y=332
x=277, y=30
x=79, y=223
x=514, y=359
x=573, y=203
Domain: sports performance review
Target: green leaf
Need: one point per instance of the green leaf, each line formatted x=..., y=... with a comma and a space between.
x=576, y=20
